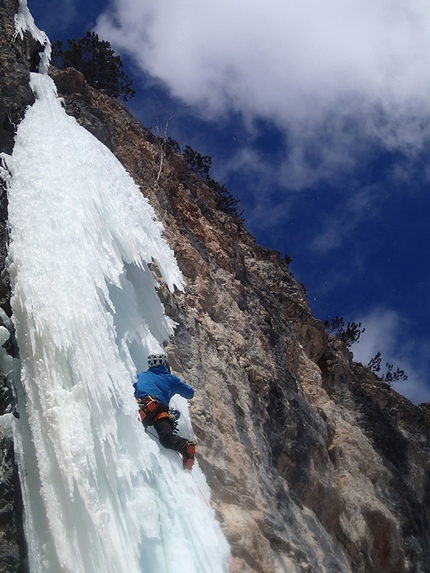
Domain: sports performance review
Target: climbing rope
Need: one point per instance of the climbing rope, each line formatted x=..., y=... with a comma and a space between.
x=232, y=561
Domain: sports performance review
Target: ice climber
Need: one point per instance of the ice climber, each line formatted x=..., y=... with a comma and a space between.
x=153, y=390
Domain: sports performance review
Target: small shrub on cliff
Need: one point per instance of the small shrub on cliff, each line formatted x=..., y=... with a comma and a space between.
x=97, y=62
x=226, y=201
x=349, y=335
x=200, y=165
x=375, y=363
x=197, y=163
x=390, y=375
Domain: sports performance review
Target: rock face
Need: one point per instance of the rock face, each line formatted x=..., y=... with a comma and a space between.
x=315, y=465
x=18, y=56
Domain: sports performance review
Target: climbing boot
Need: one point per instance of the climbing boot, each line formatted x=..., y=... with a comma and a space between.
x=188, y=455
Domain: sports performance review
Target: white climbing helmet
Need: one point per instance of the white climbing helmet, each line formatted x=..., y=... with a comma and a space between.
x=159, y=359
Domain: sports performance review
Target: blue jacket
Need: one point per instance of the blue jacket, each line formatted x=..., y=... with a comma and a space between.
x=161, y=384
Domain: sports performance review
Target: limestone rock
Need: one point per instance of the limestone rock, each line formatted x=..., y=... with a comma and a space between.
x=17, y=58
x=315, y=465
x=12, y=542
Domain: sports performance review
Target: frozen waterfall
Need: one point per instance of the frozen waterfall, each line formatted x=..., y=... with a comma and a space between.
x=100, y=495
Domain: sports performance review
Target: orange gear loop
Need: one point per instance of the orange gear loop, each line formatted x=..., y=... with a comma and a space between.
x=161, y=415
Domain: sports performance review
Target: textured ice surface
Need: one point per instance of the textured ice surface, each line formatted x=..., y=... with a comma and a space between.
x=100, y=495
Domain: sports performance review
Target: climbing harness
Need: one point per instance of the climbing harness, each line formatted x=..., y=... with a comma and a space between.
x=149, y=412
x=161, y=415
x=174, y=416
x=147, y=409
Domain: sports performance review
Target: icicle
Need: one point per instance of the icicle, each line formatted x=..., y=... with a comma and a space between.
x=86, y=315
x=25, y=21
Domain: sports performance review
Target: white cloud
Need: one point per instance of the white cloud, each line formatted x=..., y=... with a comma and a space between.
x=285, y=52
x=329, y=72
x=335, y=77
x=414, y=388
x=385, y=334
x=382, y=330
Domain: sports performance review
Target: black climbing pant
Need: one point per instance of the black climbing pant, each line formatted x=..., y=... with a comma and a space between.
x=168, y=439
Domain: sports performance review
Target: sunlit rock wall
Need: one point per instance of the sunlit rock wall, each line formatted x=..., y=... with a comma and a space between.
x=315, y=464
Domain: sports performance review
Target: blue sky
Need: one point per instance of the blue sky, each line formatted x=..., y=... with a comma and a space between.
x=317, y=118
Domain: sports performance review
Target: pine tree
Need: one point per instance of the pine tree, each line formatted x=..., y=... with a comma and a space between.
x=200, y=165
x=98, y=63
x=349, y=335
